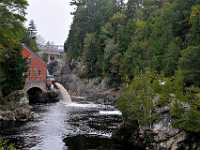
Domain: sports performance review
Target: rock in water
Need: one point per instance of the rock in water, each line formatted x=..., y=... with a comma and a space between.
x=65, y=95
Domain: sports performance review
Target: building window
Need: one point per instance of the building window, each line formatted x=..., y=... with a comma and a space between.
x=35, y=71
x=39, y=74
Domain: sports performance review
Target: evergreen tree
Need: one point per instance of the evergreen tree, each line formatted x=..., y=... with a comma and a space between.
x=30, y=38
x=89, y=17
x=123, y=42
x=12, y=66
x=132, y=7
x=32, y=30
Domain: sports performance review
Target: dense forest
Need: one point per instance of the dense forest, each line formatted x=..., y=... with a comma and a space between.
x=12, y=34
x=150, y=47
x=12, y=66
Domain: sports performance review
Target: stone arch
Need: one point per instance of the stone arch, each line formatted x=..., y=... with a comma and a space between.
x=35, y=94
x=35, y=86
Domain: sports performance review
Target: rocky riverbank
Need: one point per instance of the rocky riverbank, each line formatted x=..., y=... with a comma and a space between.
x=160, y=136
x=15, y=107
x=148, y=139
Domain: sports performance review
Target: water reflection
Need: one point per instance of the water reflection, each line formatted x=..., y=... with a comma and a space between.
x=91, y=142
x=51, y=129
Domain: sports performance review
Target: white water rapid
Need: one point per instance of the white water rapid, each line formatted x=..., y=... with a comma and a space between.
x=65, y=95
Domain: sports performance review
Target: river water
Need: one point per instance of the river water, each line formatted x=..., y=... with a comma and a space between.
x=78, y=125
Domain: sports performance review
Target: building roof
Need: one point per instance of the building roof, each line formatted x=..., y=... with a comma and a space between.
x=33, y=53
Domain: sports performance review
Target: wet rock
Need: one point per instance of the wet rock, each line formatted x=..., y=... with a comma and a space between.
x=52, y=96
x=92, y=142
x=128, y=135
x=190, y=142
x=23, y=113
x=148, y=139
x=179, y=141
x=15, y=107
x=161, y=136
x=16, y=97
x=7, y=116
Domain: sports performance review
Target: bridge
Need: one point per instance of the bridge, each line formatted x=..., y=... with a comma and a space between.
x=52, y=51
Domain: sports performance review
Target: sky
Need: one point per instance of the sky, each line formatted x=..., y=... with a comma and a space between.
x=52, y=19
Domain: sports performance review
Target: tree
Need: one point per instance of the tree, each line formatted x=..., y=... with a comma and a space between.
x=124, y=42
x=140, y=100
x=32, y=30
x=132, y=7
x=30, y=38
x=137, y=100
x=185, y=106
x=194, y=21
x=112, y=62
x=12, y=65
x=189, y=64
x=90, y=55
x=89, y=17
x=14, y=68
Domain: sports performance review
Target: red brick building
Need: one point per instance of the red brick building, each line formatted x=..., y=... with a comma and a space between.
x=37, y=70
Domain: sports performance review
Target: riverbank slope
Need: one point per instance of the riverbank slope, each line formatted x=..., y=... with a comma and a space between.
x=161, y=135
x=15, y=107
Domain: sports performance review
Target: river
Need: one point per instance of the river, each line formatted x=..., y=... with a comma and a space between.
x=78, y=125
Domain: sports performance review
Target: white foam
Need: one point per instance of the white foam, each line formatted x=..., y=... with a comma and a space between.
x=90, y=105
x=116, y=112
x=65, y=95
x=108, y=135
x=79, y=97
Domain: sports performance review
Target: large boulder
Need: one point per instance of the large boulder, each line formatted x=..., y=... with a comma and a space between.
x=23, y=113
x=128, y=135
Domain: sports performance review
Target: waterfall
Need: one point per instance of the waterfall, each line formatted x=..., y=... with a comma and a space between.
x=65, y=95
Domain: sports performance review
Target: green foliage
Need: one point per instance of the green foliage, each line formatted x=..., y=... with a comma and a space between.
x=89, y=17
x=45, y=57
x=31, y=36
x=13, y=68
x=119, y=41
x=194, y=21
x=12, y=31
x=189, y=64
x=185, y=108
x=140, y=100
x=132, y=7
x=186, y=118
x=137, y=101
x=144, y=34
x=4, y=145
x=90, y=55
